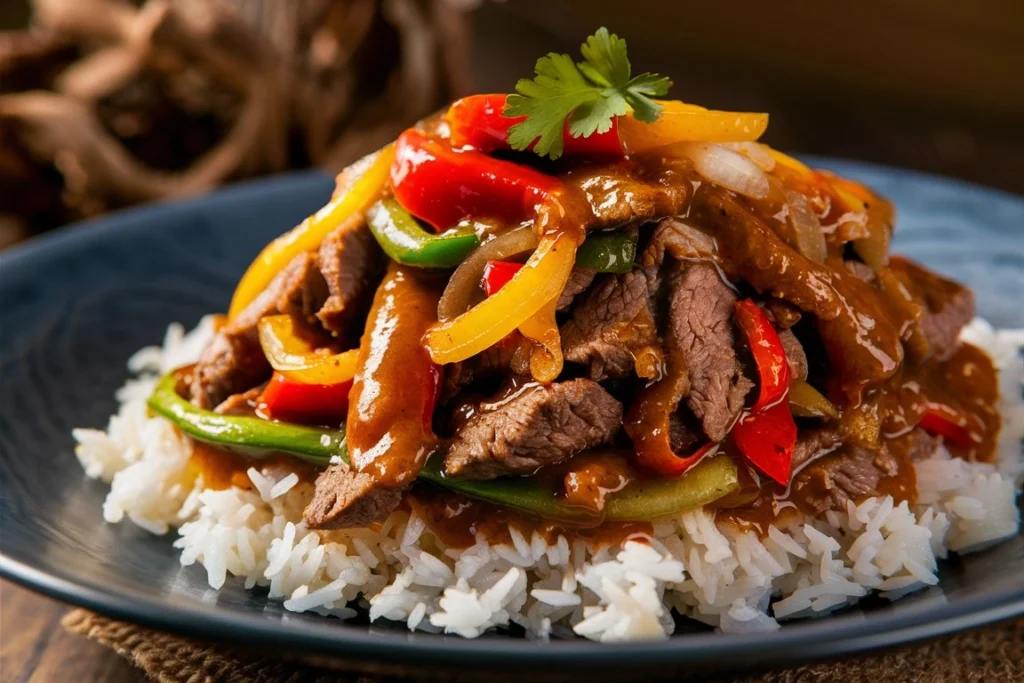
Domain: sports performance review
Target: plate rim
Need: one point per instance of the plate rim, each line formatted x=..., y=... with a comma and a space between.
x=801, y=642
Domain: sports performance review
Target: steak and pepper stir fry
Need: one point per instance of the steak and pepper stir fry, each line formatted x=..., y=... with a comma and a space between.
x=587, y=318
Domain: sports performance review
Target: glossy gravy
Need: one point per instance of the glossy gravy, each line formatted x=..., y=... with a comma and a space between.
x=392, y=400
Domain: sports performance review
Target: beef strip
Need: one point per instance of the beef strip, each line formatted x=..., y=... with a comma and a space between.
x=813, y=443
x=701, y=330
x=539, y=426
x=611, y=323
x=851, y=473
x=783, y=314
x=240, y=405
x=680, y=240
x=794, y=354
x=856, y=328
x=352, y=264
x=579, y=280
x=826, y=478
x=624, y=192
x=344, y=498
x=491, y=362
x=948, y=305
x=922, y=445
x=233, y=361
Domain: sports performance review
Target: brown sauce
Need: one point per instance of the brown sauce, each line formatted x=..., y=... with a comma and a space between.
x=222, y=469
x=968, y=383
x=393, y=394
x=459, y=521
x=900, y=479
x=587, y=480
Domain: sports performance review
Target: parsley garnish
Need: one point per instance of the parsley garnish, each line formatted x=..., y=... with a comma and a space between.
x=590, y=94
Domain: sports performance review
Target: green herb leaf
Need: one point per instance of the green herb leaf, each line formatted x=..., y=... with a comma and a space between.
x=589, y=95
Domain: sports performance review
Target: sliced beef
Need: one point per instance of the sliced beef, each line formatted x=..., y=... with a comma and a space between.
x=794, y=354
x=344, y=498
x=579, y=280
x=858, y=335
x=701, y=330
x=352, y=264
x=233, y=361
x=680, y=240
x=948, y=305
x=609, y=325
x=922, y=445
x=812, y=443
x=851, y=473
x=783, y=314
x=492, y=362
x=625, y=192
x=538, y=426
x=240, y=405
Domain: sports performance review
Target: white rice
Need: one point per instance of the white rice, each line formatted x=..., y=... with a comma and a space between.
x=717, y=574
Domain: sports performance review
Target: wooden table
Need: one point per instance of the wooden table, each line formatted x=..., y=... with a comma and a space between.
x=35, y=648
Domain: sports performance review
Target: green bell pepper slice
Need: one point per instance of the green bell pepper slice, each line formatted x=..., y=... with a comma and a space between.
x=640, y=501
x=607, y=252
x=254, y=437
x=405, y=241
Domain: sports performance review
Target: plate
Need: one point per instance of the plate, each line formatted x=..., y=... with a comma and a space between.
x=74, y=306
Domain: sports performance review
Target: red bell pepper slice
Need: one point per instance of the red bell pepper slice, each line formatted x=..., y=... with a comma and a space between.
x=770, y=357
x=648, y=424
x=955, y=426
x=667, y=462
x=477, y=121
x=767, y=440
x=497, y=274
x=443, y=186
x=288, y=400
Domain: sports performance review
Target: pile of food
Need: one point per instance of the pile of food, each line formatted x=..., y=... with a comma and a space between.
x=577, y=358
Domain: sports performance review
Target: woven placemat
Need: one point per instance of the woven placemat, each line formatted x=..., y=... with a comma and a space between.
x=992, y=654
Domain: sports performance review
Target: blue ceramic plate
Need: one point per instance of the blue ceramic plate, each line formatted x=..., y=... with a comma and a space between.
x=74, y=305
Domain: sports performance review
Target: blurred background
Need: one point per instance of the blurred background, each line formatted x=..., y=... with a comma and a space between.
x=109, y=103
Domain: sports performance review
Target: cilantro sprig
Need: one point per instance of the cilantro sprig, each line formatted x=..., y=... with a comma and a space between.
x=589, y=94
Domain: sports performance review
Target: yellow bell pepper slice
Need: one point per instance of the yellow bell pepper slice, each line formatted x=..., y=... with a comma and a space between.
x=292, y=356
x=546, y=358
x=854, y=195
x=537, y=283
x=359, y=186
x=790, y=163
x=681, y=122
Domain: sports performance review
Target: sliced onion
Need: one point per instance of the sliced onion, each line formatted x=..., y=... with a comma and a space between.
x=810, y=238
x=754, y=151
x=465, y=281
x=726, y=168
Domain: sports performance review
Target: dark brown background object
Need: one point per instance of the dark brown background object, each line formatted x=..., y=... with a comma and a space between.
x=104, y=104
x=935, y=85
x=182, y=95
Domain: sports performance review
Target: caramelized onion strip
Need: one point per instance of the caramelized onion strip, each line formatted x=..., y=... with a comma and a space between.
x=465, y=281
